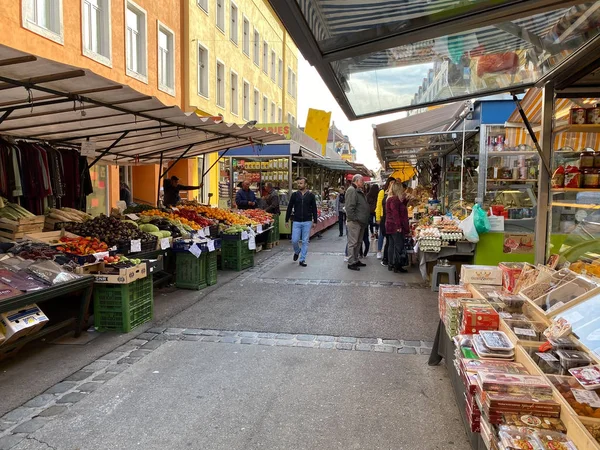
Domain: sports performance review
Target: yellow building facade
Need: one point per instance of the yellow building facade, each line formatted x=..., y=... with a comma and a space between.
x=240, y=64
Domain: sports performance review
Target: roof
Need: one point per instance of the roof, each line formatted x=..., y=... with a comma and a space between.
x=61, y=104
x=331, y=164
x=360, y=169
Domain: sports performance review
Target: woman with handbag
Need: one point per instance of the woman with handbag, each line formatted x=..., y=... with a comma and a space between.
x=397, y=228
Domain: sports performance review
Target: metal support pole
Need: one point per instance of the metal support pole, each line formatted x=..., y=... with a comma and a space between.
x=5, y=115
x=107, y=149
x=159, y=169
x=545, y=161
x=541, y=223
x=213, y=164
x=179, y=158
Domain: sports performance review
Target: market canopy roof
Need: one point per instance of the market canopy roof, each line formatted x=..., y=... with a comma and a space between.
x=380, y=56
x=331, y=164
x=66, y=105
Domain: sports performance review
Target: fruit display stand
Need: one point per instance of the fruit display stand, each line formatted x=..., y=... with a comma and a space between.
x=83, y=287
x=323, y=223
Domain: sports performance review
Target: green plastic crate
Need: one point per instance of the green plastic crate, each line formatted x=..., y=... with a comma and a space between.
x=123, y=307
x=191, y=271
x=211, y=268
x=235, y=255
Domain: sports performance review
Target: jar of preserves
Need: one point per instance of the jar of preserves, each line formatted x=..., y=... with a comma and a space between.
x=586, y=158
x=597, y=160
x=591, y=178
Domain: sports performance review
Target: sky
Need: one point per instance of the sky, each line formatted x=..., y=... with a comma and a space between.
x=313, y=93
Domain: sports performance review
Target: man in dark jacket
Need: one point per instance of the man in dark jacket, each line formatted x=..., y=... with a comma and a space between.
x=245, y=197
x=357, y=219
x=172, y=189
x=304, y=206
x=271, y=199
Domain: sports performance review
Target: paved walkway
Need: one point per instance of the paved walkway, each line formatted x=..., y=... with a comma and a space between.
x=279, y=357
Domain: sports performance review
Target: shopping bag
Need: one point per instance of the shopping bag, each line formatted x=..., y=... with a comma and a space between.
x=480, y=219
x=468, y=227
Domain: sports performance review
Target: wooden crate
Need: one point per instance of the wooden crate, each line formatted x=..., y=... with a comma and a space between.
x=49, y=237
x=17, y=229
x=50, y=224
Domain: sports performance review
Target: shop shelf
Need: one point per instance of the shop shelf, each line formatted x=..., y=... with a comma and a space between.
x=561, y=190
x=515, y=153
x=502, y=180
x=576, y=205
x=123, y=307
x=191, y=271
x=211, y=268
x=578, y=129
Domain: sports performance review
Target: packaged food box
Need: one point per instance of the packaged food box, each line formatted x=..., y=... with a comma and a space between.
x=513, y=383
x=497, y=404
x=533, y=421
x=584, y=402
x=563, y=343
x=571, y=359
x=496, y=340
x=448, y=291
x=513, y=303
x=481, y=274
x=474, y=365
x=548, y=362
x=577, y=116
x=554, y=440
x=477, y=318
x=486, y=353
x=515, y=438
x=526, y=330
x=593, y=427
x=21, y=322
x=588, y=377
x=510, y=274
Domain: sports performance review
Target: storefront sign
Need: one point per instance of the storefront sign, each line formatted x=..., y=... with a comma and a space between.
x=519, y=243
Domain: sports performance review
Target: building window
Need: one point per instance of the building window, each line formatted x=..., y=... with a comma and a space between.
x=204, y=5
x=265, y=57
x=221, y=15
x=246, y=106
x=289, y=81
x=234, y=94
x=294, y=84
x=256, y=105
x=256, y=47
x=279, y=115
x=95, y=23
x=273, y=112
x=289, y=118
x=166, y=59
x=246, y=37
x=44, y=17
x=280, y=73
x=220, y=85
x=265, y=112
x=233, y=30
x=202, y=71
x=136, y=41
x=273, y=63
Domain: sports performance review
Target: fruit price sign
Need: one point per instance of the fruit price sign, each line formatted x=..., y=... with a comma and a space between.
x=164, y=243
x=211, y=245
x=136, y=245
x=521, y=243
x=195, y=250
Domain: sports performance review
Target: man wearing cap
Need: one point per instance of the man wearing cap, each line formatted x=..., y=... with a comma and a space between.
x=172, y=189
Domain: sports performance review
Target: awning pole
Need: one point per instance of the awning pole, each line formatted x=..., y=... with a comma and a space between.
x=176, y=161
x=5, y=115
x=213, y=164
x=107, y=149
x=531, y=133
x=462, y=161
x=160, y=164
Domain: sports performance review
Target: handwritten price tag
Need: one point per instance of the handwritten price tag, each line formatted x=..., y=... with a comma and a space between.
x=207, y=231
x=244, y=235
x=259, y=229
x=195, y=250
x=251, y=242
x=201, y=233
x=211, y=245
x=100, y=256
x=164, y=243
x=136, y=245
x=133, y=216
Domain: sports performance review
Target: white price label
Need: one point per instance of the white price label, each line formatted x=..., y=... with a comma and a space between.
x=136, y=245
x=133, y=216
x=100, y=256
x=505, y=315
x=251, y=243
x=259, y=229
x=547, y=356
x=201, y=234
x=207, y=231
x=211, y=245
x=88, y=148
x=525, y=332
x=589, y=397
x=164, y=243
x=555, y=307
x=244, y=235
x=195, y=250
x=174, y=209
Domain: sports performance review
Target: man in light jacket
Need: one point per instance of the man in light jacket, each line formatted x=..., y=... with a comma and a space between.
x=357, y=219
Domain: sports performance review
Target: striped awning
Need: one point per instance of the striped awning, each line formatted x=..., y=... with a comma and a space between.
x=577, y=141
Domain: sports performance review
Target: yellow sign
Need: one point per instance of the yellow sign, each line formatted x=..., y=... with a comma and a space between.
x=317, y=126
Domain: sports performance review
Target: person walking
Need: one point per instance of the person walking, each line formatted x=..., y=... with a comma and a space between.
x=245, y=197
x=380, y=219
x=397, y=227
x=372, y=199
x=357, y=213
x=304, y=206
x=340, y=203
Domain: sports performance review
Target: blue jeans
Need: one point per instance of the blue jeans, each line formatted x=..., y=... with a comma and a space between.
x=301, y=232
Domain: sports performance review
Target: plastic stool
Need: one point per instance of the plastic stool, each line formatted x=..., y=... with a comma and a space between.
x=437, y=271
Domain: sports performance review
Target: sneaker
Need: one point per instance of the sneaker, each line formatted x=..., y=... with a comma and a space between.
x=302, y=263
x=346, y=258
x=296, y=256
x=360, y=264
x=353, y=267
x=384, y=263
x=379, y=255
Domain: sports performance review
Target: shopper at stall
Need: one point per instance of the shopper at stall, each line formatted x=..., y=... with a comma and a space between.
x=380, y=219
x=271, y=199
x=172, y=189
x=125, y=194
x=372, y=199
x=357, y=213
x=340, y=204
x=303, y=207
x=397, y=227
x=245, y=197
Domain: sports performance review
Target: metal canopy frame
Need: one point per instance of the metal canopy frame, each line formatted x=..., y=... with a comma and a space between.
x=64, y=105
x=329, y=53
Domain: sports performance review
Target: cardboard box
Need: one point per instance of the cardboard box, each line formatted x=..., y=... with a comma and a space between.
x=104, y=273
x=21, y=322
x=511, y=272
x=481, y=275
